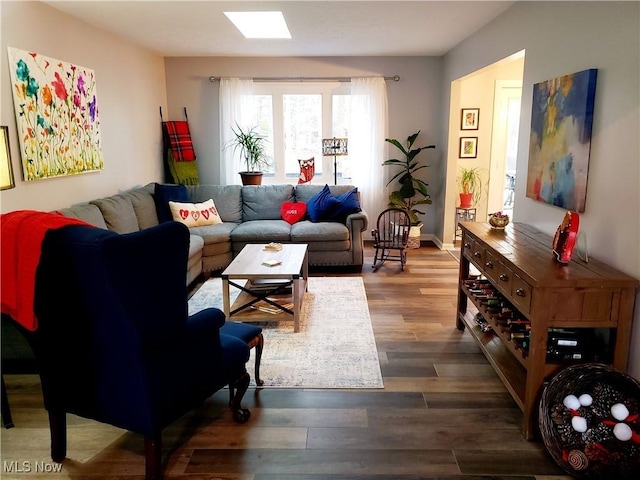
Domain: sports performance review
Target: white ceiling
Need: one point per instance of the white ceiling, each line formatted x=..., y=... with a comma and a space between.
x=318, y=28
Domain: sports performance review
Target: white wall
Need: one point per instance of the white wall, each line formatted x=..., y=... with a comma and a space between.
x=130, y=89
x=561, y=38
x=414, y=101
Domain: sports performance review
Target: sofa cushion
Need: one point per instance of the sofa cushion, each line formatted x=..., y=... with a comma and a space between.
x=219, y=233
x=195, y=214
x=196, y=244
x=307, y=231
x=118, y=213
x=293, y=212
x=305, y=192
x=261, y=231
x=168, y=193
x=263, y=202
x=87, y=212
x=144, y=205
x=321, y=206
x=228, y=199
x=348, y=203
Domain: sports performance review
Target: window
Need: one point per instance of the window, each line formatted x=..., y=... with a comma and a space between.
x=295, y=117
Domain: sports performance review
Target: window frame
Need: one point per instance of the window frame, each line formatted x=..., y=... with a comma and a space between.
x=277, y=90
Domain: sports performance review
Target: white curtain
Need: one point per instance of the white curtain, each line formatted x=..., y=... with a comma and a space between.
x=236, y=108
x=367, y=146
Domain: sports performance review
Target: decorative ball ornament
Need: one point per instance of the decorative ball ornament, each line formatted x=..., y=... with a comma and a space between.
x=571, y=402
x=579, y=424
x=622, y=432
x=619, y=411
x=585, y=400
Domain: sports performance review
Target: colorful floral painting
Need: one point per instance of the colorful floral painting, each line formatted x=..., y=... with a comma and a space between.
x=560, y=142
x=56, y=114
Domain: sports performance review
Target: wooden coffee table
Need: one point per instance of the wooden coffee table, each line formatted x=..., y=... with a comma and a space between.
x=292, y=273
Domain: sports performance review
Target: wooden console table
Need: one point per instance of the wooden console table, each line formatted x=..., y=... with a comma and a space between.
x=518, y=264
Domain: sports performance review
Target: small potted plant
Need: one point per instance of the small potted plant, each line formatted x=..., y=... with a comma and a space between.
x=251, y=146
x=470, y=183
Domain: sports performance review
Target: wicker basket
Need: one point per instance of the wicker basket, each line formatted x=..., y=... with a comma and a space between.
x=596, y=453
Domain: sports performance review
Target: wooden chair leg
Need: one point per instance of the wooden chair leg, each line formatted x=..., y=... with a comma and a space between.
x=58, y=427
x=153, y=457
x=237, y=390
x=258, y=344
x=7, y=420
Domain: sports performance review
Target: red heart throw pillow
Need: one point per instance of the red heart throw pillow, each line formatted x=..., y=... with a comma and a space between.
x=293, y=212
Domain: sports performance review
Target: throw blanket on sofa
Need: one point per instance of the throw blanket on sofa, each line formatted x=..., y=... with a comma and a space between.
x=179, y=153
x=22, y=233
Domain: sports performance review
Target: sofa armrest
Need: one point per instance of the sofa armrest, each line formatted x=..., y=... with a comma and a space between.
x=358, y=221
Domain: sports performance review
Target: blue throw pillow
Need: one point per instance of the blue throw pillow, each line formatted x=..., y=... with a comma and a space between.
x=165, y=194
x=321, y=206
x=348, y=203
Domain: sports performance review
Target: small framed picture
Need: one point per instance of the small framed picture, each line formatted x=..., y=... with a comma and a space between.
x=469, y=118
x=468, y=147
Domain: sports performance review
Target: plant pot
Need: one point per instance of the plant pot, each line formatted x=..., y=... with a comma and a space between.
x=466, y=200
x=414, y=236
x=251, y=178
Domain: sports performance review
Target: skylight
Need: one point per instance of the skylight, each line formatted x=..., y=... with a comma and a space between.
x=260, y=24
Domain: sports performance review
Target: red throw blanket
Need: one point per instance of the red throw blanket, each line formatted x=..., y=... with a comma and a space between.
x=178, y=139
x=21, y=234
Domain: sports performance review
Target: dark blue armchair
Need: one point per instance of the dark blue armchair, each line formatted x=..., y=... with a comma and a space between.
x=115, y=343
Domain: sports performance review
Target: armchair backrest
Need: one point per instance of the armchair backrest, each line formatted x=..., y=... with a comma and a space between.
x=106, y=303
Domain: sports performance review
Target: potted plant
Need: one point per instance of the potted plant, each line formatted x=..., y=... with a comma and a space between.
x=251, y=146
x=412, y=191
x=470, y=183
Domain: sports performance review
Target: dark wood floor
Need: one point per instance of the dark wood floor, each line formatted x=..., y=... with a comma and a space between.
x=443, y=413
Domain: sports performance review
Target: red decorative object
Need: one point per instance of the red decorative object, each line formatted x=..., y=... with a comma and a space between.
x=566, y=236
x=293, y=212
x=307, y=170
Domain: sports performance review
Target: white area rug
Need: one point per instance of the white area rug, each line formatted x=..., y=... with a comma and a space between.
x=335, y=347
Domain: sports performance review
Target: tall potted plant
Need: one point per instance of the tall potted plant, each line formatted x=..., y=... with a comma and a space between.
x=411, y=191
x=470, y=184
x=250, y=144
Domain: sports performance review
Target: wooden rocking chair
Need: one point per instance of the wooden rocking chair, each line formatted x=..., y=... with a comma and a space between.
x=390, y=237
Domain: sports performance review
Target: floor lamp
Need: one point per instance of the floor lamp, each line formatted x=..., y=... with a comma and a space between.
x=336, y=147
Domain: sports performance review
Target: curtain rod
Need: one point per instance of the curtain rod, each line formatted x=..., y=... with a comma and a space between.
x=395, y=78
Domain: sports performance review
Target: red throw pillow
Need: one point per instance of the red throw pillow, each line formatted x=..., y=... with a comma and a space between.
x=293, y=212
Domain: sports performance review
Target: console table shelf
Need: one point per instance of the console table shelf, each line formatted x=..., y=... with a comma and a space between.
x=516, y=265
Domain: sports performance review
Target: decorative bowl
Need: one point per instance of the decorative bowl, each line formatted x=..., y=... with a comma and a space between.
x=498, y=220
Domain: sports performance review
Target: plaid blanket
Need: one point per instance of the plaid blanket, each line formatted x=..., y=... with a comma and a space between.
x=177, y=138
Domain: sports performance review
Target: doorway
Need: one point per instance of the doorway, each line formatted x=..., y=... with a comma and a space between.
x=495, y=91
x=504, y=146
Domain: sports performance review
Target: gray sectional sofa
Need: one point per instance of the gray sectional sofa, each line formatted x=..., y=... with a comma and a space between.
x=250, y=214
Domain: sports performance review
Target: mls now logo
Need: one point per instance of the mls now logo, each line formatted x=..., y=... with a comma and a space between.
x=29, y=466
